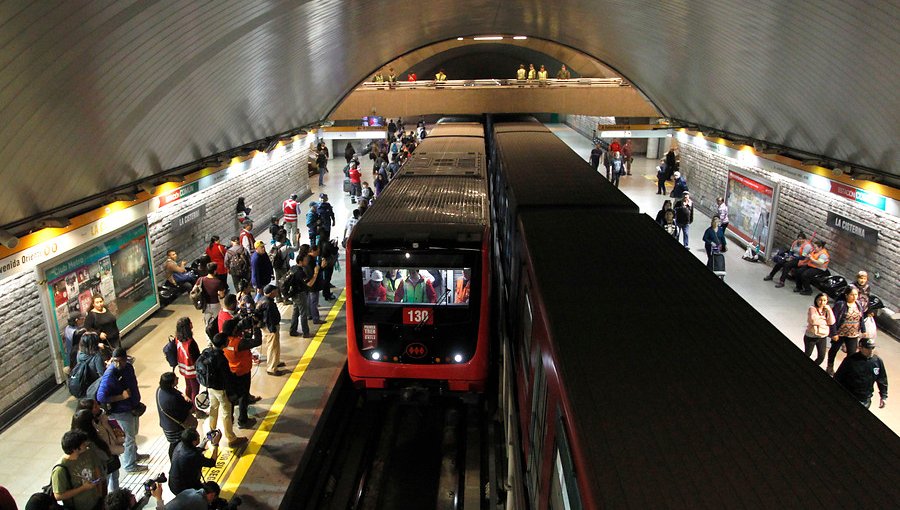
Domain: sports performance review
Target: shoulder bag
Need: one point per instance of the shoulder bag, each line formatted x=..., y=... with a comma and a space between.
x=189, y=423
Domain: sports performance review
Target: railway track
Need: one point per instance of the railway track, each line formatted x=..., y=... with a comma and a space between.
x=390, y=452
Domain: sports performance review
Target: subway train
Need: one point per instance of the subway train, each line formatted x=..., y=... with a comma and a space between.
x=632, y=377
x=418, y=272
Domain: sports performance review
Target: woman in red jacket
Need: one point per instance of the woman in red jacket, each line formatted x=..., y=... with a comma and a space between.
x=216, y=253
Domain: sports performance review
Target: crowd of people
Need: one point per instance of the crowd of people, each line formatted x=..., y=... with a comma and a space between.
x=541, y=74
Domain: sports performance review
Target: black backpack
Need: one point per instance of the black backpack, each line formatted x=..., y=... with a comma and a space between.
x=206, y=365
x=212, y=327
x=81, y=378
x=170, y=351
x=238, y=264
x=48, y=489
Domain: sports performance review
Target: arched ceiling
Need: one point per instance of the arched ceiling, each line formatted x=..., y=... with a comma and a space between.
x=97, y=94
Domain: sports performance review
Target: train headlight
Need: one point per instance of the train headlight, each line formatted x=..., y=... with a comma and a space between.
x=376, y=355
x=458, y=358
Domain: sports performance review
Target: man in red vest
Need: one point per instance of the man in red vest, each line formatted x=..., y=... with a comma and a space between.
x=289, y=207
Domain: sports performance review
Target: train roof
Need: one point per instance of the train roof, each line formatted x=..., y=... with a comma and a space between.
x=684, y=395
x=453, y=128
x=447, y=155
x=436, y=207
x=539, y=169
x=525, y=126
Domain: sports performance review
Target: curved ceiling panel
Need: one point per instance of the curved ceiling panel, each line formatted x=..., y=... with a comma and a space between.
x=98, y=94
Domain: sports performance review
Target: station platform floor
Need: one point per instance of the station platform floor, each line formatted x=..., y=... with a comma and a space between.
x=291, y=404
x=782, y=307
x=286, y=416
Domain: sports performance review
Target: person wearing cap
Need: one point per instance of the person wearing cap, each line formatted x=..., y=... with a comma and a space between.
x=326, y=215
x=261, y=270
x=860, y=371
x=684, y=216
x=289, y=207
x=271, y=322
x=681, y=186
x=374, y=288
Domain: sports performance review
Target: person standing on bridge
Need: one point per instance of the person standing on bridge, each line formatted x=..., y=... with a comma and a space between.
x=563, y=73
x=521, y=73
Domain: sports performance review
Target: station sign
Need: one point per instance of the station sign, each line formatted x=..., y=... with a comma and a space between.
x=848, y=226
x=187, y=219
x=858, y=195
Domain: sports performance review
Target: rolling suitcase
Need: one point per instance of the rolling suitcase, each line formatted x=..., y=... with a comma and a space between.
x=716, y=264
x=346, y=185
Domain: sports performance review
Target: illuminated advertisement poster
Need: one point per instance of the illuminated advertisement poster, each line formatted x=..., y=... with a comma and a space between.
x=751, y=208
x=117, y=268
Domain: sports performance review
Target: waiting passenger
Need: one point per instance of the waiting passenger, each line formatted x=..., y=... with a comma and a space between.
x=174, y=410
x=661, y=215
x=187, y=353
x=815, y=265
x=860, y=371
x=819, y=319
x=684, y=216
x=462, y=287
x=680, y=187
x=862, y=283
x=722, y=211
x=800, y=250
x=374, y=290
x=669, y=222
x=847, y=327
x=661, y=177
x=176, y=273
x=713, y=239
x=103, y=321
x=392, y=280
x=415, y=289
x=563, y=73
x=78, y=479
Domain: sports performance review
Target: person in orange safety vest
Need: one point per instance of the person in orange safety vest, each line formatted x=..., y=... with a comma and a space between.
x=816, y=265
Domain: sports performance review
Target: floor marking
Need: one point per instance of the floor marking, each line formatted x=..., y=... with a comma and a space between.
x=236, y=477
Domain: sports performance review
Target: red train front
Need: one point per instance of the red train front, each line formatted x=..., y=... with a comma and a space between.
x=418, y=274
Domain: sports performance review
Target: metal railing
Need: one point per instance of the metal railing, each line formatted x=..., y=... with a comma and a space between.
x=493, y=83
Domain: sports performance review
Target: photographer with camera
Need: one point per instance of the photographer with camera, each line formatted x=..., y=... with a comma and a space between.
x=243, y=334
x=123, y=499
x=188, y=459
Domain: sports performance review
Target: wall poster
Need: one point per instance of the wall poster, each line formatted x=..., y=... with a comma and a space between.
x=751, y=208
x=117, y=267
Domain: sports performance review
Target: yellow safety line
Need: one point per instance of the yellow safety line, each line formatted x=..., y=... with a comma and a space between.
x=240, y=470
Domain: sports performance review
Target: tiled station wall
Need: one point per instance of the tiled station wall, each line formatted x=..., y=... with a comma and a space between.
x=587, y=124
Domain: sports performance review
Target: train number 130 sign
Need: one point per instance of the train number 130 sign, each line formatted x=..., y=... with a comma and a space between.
x=416, y=316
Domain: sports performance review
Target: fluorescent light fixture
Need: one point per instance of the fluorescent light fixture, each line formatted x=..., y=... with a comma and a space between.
x=489, y=38
x=520, y=38
x=146, y=187
x=8, y=240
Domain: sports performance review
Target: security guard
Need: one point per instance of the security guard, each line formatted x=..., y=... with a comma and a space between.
x=860, y=370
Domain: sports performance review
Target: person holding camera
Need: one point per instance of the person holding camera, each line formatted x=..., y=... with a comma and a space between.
x=123, y=499
x=119, y=390
x=243, y=335
x=188, y=459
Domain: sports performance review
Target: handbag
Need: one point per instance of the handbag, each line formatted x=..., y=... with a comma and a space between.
x=139, y=409
x=198, y=296
x=113, y=464
x=189, y=423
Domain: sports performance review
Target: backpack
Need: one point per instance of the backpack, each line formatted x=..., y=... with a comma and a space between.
x=170, y=351
x=212, y=327
x=81, y=378
x=48, y=489
x=238, y=264
x=205, y=369
x=287, y=287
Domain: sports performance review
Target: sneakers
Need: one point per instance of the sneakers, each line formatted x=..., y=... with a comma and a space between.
x=282, y=364
x=276, y=373
x=254, y=399
x=142, y=456
x=294, y=333
x=319, y=322
x=137, y=468
x=249, y=423
x=779, y=285
x=238, y=442
x=307, y=335
x=767, y=278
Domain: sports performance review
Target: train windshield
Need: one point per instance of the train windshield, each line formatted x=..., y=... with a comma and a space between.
x=431, y=285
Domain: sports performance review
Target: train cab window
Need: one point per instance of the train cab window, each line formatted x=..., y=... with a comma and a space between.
x=564, y=493
x=527, y=321
x=538, y=427
x=436, y=286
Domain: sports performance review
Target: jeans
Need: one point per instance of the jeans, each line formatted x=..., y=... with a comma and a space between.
x=272, y=344
x=301, y=311
x=314, y=305
x=218, y=398
x=185, y=277
x=212, y=310
x=851, y=343
x=130, y=425
x=819, y=344
x=112, y=481
x=661, y=185
x=615, y=178
x=684, y=230
x=321, y=175
x=291, y=228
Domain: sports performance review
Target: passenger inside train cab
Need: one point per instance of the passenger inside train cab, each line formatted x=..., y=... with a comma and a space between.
x=374, y=288
x=462, y=287
x=415, y=289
